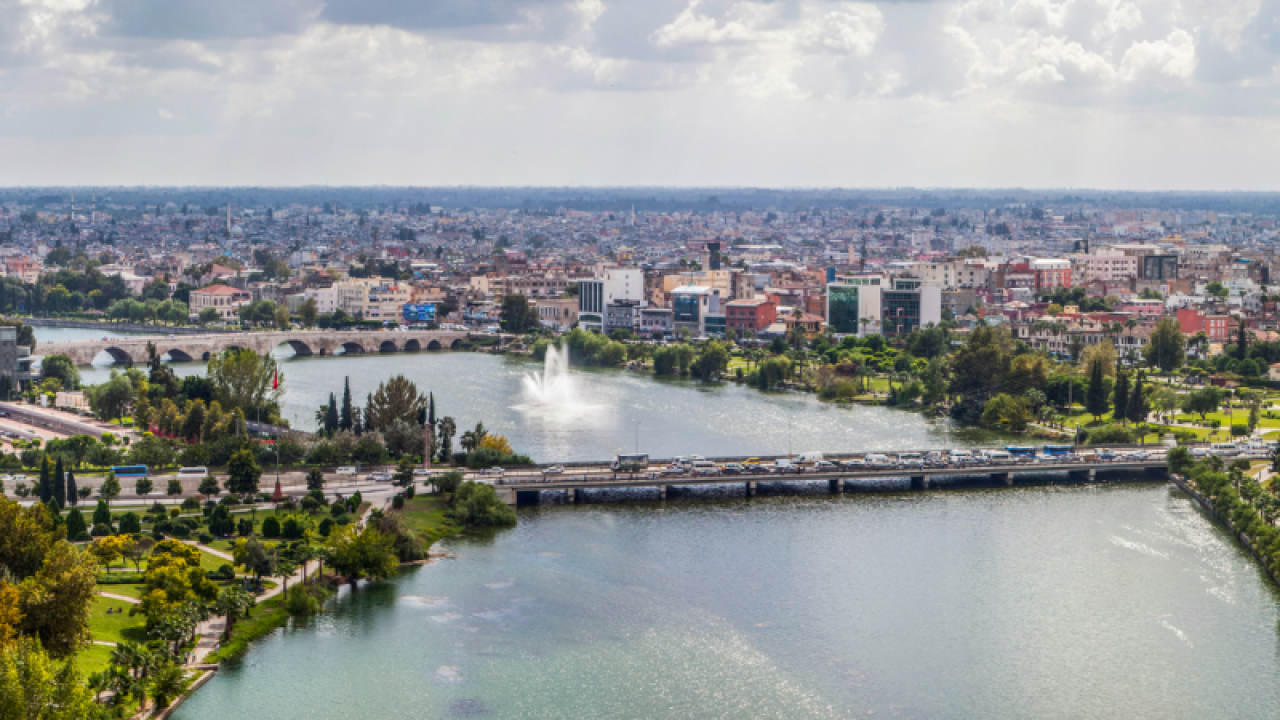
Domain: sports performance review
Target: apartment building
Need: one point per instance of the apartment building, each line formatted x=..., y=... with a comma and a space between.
x=752, y=315
x=223, y=298
x=1106, y=265
x=871, y=304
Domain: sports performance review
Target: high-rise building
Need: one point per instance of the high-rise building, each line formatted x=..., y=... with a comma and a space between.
x=870, y=304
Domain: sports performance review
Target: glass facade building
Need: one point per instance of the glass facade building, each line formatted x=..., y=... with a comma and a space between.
x=842, y=309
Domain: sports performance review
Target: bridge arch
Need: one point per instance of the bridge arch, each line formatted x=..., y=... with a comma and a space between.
x=300, y=348
x=114, y=354
x=455, y=344
x=179, y=355
x=352, y=347
x=434, y=345
x=388, y=346
x=413, y=345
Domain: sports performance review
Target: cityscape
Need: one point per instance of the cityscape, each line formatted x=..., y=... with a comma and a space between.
x=803, y=359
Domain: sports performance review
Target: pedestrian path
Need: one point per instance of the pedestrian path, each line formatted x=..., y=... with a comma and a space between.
x=122, y=598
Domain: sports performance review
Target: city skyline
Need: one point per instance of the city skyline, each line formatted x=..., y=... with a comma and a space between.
x=1096, y=94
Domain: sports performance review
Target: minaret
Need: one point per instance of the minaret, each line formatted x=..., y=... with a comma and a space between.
x=228, y=219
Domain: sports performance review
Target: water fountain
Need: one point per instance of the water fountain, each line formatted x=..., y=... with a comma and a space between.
x=554, y=385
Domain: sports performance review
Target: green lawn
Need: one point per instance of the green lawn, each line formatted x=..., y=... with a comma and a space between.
x=133, y=590
x=119, y=626
x=93, y=659
x=424, y=514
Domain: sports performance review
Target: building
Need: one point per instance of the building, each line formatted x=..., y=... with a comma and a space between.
x=225, y=299
x=15, y=362
x=870, y=304
x=752, y=315
x=557, y=313
x=1159, y=268
x=372, y=298
x=614, y=284
x=1051, y=273
x=697, y=308
x=326, y=300
x=418, y=313
x=1216, y=327
x=656, y=322
x=1104, y=265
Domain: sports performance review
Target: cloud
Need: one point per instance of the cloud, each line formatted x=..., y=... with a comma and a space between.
x=204, y=19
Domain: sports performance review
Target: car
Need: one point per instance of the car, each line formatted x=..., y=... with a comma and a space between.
x=492, y=471
x=1104, y=454
x=824, y=466
x=423, y=472
x=380, y=476
x=732, y=469
x=346, y=471
x=673, y=470
x=553, y=470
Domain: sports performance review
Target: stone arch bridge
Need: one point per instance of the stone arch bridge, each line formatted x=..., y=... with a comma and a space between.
x=187, y=348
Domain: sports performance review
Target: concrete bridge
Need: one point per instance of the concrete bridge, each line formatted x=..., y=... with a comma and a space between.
x=526, y=489
x=187, y=348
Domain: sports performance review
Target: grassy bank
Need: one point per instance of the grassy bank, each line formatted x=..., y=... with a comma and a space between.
x=425, y=516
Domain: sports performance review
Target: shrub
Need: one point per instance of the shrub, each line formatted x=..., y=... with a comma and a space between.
x=298, y=601
x=190, y=504
x=326, y=527
x=130, y=523
x=1239, y=430
x=398, y=502
x=100, y=530
x=180, y=531
x=1111, y=435
x=343, y=519
x=291, y=529
x=204, y=538
x=409, y=492
x=226, y=572
x=271, y=527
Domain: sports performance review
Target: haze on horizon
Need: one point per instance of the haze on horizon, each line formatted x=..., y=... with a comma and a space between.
x=1107, y=94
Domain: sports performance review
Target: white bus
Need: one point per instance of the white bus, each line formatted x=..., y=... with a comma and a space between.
x=1226, y=449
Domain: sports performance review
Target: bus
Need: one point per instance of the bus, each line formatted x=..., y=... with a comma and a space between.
x=129, y=471
x=1057, y=450
x=630, y=463
x=1020, y=452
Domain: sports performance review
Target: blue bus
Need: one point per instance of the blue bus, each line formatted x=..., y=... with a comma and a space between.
x=1057, y=450
x=1019, y=451
x=129, y=471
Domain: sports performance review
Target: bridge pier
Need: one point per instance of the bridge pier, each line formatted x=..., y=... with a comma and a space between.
x=919, y=482
x=574, y=495
x=662, y=492
x=506, y=495
x=836, y=486
x=527, y=497
x=751, y=488
x=1005, y=478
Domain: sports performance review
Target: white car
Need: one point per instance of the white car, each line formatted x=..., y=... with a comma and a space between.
x=553, y=470
x=493, y=471
x=380, y=476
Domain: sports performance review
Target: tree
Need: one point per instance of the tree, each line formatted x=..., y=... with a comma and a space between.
x=396, y=399
x=233, y=603
x=1139, y=405
x=143, y=486
x=1121, y=395
x=110, y=489
x=113, y=398
x=307, y=313
x=208, y=315
x=282, y=317
x=243, y=472
x=1202, y=401
x=979, y=367
x=518, y=316
x=347, y=420
x=243, y=379
x=209, y=486
x=31, y=686
x=315, y=479
x=73, y=493
x=1167, y=349
x=363, y=553
x=44, y=486
x=1007, y=411
x=76, y=527
x=1096, y=400
x=61, y=367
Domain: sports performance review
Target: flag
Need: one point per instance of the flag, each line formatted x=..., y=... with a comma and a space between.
x=275, y=379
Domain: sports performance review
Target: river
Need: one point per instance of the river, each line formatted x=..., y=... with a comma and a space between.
x=1046, y=602
x=619, y=411
x=1080, y=602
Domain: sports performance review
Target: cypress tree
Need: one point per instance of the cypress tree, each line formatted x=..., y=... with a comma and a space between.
x=75, y=524
x=73, y=493
x=431, y=409
x=331, y=416
x=59, y=484
x=46, y=492
x=1096, y=399
x=1139, y=403
x=102, y=515
x=346, y=421
x=1242, y=341
x=1121, y=395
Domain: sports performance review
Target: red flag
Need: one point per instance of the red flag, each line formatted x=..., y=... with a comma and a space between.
x=275, y=379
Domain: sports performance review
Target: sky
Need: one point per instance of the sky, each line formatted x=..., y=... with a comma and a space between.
x=1109, y=94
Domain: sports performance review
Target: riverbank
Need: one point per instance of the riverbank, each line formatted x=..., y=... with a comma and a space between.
x=1267, y=566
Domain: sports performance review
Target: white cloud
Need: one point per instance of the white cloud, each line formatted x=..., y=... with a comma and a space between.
x=1173, y=57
